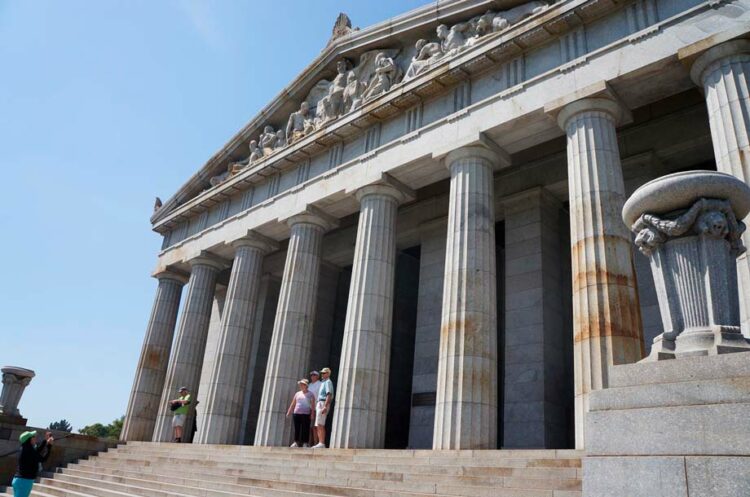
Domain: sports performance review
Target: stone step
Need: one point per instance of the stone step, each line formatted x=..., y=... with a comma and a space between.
x=312, y=459
x=698, y=392
x=331, y=474
x=422, y=483
x=679, y=370
x=144, y=488
x=151, y=447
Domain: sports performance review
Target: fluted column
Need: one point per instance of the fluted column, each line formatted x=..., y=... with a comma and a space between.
x=724, y=73
x=466, y=405
x=222, y=412
x=148, y=385
x=606, y=313
x=190, y=344
x=359, y=417
x=292, y=330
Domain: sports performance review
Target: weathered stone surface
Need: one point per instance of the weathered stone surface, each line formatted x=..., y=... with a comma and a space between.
x=466, y=405
x=615, y=477
x=692, y=243
x=718, y=476
x=360, y=414
x=148, y=385
x=606, y=316
x=289, y=354
x=222, y=412
x=15, y=381
x=186, y=361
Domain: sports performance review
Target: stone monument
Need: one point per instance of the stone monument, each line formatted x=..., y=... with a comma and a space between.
x=687, y=224
x=15, y=381
x=680, y=425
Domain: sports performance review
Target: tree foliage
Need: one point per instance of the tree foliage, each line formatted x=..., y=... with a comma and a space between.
x=112, y=430
x=61, y=425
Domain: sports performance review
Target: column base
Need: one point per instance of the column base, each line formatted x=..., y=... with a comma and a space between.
x=716, y=340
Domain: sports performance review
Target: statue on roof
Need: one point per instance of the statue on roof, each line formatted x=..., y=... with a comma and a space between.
x=300, y=123
x=268, y=140
x=342, y=27
x=386, y=74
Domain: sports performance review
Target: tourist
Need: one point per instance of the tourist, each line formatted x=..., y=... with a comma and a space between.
x=314, y=388
x=180, y=407
x=30, y=456
x=301, y=410
x=323, y=407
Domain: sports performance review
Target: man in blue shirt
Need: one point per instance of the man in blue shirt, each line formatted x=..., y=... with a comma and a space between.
x=323, y=407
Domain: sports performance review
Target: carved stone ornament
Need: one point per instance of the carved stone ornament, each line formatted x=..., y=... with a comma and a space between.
x=686, y=223
x=377, y=72
x=15, y=381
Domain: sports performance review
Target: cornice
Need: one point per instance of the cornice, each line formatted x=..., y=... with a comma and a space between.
x=496, y=48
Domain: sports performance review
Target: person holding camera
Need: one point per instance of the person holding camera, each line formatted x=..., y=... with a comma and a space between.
x=30, y=456
x=180, y=407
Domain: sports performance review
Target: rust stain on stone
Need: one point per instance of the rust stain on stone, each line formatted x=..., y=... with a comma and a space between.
x=153, y=358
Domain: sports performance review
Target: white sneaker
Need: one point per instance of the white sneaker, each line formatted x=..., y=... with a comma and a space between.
x=319, y=446
x=294, y=445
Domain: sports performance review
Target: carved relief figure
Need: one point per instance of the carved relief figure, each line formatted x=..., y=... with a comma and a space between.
x=280, y=140
x=332, y=105
x=352, y=92
x=268, y=140
x=386, y=74
x=300, y=123
x=425, y=54
x=507, y=18
x=255, y=152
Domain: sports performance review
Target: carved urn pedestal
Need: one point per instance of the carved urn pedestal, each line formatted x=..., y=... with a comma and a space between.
x=15, y=381
x=689, y=225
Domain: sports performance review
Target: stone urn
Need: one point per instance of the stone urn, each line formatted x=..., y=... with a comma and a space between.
x=15, y=381
x=689, y=225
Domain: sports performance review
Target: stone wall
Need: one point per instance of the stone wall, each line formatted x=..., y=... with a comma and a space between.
x=65, y=450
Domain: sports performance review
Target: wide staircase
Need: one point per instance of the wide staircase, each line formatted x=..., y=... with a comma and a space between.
x=171, y=470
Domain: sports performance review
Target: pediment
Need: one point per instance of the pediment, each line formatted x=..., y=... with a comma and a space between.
x=354, y=73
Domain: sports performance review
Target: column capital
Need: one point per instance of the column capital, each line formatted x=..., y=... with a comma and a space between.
x=209, y=259
x=475, y=152
x=387, y=186
x=313, y=215
x=713, y=55
x=256, y=240
x=172, y=274
x=595, y=104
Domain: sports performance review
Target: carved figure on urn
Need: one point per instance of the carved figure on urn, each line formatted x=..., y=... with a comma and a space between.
x=687, y=224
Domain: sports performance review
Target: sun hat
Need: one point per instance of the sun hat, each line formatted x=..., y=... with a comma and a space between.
x=325, y=370
x=303, y=380
x=314, y=373
x=182, y=388
x=27, y=435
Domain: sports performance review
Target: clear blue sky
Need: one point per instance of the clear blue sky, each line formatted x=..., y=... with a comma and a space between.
x=103, y=105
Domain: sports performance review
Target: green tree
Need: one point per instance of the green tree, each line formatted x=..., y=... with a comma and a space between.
x=112, y=430
x=61, y=425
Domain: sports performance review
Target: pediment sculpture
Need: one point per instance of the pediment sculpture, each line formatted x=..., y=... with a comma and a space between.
x=377, y=72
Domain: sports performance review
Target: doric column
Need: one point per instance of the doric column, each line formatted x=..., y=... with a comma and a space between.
x=359, y=417
x=190, y=344
x=222, y=412
x=292, y=330
x=152, y=365
x=466, y=406
x=724, y=74
x=606, y=312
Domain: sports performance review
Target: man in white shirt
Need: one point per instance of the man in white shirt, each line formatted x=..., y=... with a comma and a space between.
x=314, y=387
x=323, y=407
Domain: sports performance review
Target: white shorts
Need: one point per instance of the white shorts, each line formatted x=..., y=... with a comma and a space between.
x=178, y=420
x=320, y=418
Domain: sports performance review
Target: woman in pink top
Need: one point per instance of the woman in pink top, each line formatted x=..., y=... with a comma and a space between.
x=301, y=411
